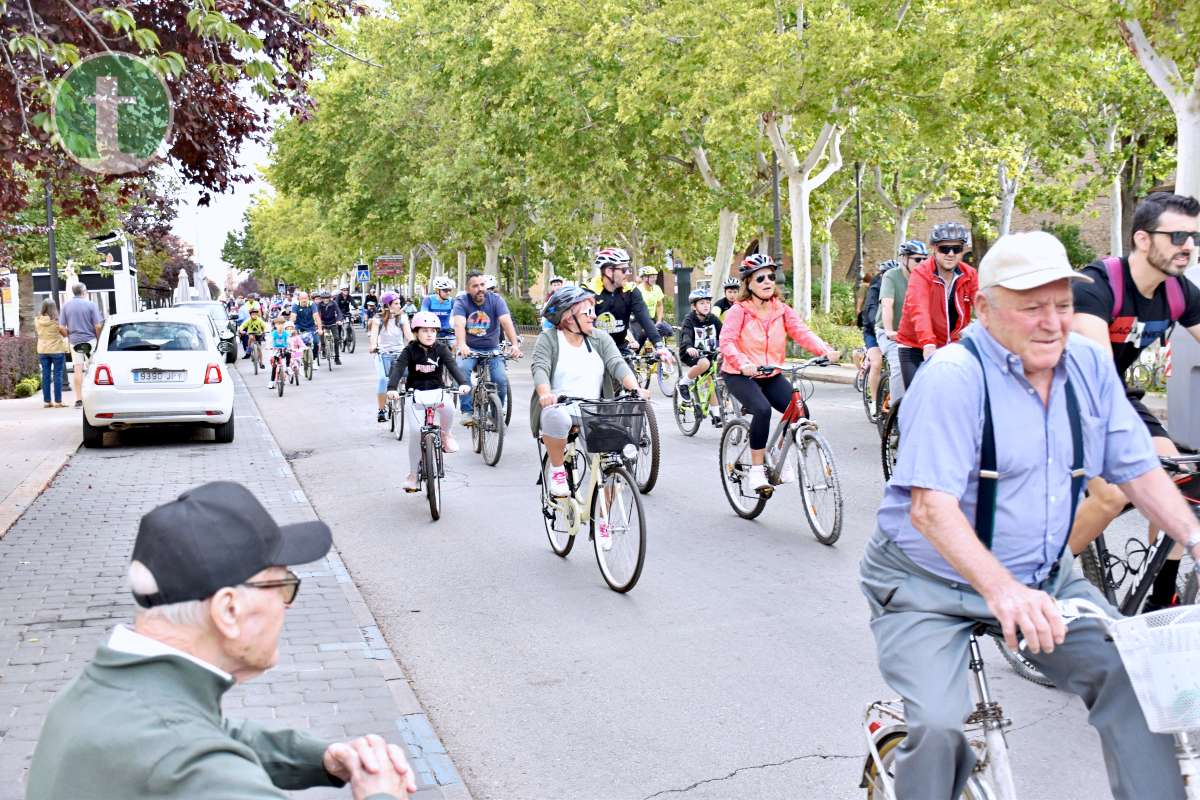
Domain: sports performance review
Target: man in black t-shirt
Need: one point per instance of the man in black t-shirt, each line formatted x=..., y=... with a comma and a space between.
x=1154, y=295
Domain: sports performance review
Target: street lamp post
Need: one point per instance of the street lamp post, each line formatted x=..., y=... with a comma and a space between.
x=53, y=244
x=858, y=230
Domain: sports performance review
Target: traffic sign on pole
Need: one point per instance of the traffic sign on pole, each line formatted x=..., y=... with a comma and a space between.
x=362, y=274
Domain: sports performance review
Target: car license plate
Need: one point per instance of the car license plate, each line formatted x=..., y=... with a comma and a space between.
x=159, y=375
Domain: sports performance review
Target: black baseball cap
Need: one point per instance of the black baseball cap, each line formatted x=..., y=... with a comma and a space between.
x=218, y=535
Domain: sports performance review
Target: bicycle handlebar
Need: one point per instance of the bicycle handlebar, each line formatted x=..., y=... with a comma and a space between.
x=623, y=397
x=1178, y=463
x=819, y=361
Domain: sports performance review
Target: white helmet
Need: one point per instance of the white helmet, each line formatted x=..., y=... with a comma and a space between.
x=443, y=282
x=489, y=282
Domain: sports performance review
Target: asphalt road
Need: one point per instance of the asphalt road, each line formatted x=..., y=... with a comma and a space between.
x=740, y=666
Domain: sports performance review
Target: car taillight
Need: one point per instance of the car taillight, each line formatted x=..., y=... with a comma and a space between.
x=102, y=376
x=212, y=374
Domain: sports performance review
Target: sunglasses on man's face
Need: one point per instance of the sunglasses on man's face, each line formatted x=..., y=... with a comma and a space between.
x=290, y=586
x=950, y=249
x=1179, y=237
x=763, y=277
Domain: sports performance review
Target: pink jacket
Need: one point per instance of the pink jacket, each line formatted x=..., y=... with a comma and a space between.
x=748, y=339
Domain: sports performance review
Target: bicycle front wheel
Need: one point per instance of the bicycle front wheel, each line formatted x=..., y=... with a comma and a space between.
x=329, y=350
x=433, y=483
x=399, y=414
x=687, y=415
x=308, y=364
x=508, y=406
x=667, y=378
x=617, y=504
x=1022, y=665
x=646, y=466
x=491, y=430
x=735, y=469
x=864, y=390
x=889, y=441
x=820, y=488
x=255, y=356
x=280, y=378
x=350, y=340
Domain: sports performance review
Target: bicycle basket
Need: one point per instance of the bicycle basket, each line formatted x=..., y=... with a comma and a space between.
x=608, y=427
x=1160, y=651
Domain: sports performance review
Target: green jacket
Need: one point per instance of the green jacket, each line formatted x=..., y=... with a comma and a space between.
x=150, y=728
x=545, y=356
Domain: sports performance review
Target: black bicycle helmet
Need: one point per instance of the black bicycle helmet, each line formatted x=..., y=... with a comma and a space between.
x=949, y=232
x=753, y=263
x=563, y=300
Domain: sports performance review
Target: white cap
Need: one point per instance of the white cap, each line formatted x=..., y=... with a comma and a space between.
x=1021, y=261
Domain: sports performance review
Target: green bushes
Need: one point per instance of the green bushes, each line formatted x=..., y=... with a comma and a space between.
x=841, y=301
x=28, y=386
x=1078, y=251
x=523, y=312
x=18, y=358
x=844, y=338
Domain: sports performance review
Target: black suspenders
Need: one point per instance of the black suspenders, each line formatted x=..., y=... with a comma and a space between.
x=985, y=506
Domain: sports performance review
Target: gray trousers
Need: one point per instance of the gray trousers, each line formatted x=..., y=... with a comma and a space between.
x=922, y=624
x=889, y=348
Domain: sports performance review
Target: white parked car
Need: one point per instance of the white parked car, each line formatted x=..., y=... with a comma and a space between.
x=157, y=367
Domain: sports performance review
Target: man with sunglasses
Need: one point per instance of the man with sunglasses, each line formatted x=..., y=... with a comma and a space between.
x=617, y=305
x=210, y=574
x=938, y=302
x=892, y=290
x=1130, y=304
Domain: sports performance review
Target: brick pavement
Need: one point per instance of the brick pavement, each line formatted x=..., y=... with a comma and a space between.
x=62, y=590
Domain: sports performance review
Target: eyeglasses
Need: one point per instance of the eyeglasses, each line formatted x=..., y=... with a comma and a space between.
x=950, y=249
x=290, y=586
x=620, y=269
x=764, y=277
x=1179, y=237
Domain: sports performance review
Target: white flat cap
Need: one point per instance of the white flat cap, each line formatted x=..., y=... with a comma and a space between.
x=1021, y=261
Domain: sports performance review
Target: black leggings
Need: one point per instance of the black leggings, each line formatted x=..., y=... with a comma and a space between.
x=758, y=396
x=910, y=359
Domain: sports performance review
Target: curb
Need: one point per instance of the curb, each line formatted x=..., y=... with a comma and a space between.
x=20, y=498
x=426, y=753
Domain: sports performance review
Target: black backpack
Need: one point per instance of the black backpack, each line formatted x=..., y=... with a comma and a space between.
x=870, y=306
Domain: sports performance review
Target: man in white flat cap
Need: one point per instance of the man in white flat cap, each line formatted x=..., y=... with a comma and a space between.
x=998, y=436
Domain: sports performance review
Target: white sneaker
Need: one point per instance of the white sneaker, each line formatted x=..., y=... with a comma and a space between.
x=449, y=443
x=410, y=482
x=271, y=385
x=558, y=482
x=604, y=535
x=757, y=479
x=788, y=473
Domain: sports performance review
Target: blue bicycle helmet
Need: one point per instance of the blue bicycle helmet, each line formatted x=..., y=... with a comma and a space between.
x=914, y=247
x=699, y=294
x=562, y=301
x=889, y=264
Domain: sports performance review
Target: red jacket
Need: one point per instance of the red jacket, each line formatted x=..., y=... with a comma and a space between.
x=924, y=319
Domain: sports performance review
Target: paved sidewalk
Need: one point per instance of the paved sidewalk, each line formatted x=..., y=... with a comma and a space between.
x=62, y=590
x=36, y=443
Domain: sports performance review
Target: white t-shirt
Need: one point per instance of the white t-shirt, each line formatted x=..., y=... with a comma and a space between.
x=579, y=371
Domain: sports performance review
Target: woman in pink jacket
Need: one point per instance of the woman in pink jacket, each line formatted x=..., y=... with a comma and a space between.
x=754, y=333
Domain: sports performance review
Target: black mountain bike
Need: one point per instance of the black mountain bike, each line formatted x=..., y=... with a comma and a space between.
x=487, y=432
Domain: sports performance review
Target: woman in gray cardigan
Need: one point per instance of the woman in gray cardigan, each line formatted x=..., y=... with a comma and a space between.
x=576, y=360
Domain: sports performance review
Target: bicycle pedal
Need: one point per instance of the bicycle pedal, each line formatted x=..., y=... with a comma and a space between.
x=765, y=491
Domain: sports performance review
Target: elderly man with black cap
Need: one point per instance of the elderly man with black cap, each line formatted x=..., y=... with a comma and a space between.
x=998, y=435
x=143, y=720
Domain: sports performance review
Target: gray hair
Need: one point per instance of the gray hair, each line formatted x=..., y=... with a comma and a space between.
x=77, y=289
x=190, y=614
x=49, y=309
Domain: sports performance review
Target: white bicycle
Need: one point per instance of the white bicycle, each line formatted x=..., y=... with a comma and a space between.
x=1160, y=652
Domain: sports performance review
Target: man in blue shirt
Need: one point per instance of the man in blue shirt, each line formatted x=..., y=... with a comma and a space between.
x=935, y=567
x=441, y=302
x=308, y=322
x=478, y=317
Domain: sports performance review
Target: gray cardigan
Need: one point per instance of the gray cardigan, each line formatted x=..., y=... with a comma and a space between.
x=545, y=357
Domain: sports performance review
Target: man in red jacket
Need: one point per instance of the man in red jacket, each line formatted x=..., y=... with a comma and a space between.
x=937, y=306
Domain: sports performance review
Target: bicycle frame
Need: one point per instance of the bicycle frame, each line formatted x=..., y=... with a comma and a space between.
x=575, y=505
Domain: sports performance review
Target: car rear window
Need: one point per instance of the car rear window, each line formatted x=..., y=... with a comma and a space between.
x=156, y=335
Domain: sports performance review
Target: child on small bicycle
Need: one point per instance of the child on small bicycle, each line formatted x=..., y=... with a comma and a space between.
x=252, y=328
x=426, y=361
x=698, y=336
x=295, y=347
x=277, y=341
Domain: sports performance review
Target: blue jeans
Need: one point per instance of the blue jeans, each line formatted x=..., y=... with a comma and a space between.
x=52, y=375
x=499, y=377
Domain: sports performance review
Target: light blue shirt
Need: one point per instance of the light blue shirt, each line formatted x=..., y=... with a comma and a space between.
x=941, y=430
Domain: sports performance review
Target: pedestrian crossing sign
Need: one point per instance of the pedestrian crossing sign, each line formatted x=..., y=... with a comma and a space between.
x=363, y=274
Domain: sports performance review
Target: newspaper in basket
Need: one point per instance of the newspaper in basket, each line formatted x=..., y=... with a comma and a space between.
x=609, y=427
x=1161, y=651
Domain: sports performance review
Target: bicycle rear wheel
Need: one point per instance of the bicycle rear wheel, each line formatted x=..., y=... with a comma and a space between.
x=491, y=430
x=617, y=503
x=433, y=483
x=646, y=466
x=687, y=415
x=558, y=520
x=889, y=441
x=820, y=487
x=888, y=748
x=735, y=468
